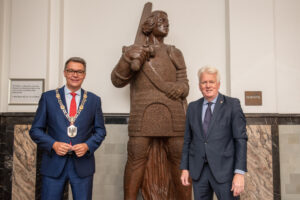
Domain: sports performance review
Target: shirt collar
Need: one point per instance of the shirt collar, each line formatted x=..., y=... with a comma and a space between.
x=67, y=91
x=213, y=101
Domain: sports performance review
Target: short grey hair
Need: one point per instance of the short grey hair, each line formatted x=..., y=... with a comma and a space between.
x=77, y=60
x=210, y=70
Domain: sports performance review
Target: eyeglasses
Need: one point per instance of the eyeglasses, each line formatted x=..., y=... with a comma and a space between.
x=73, y=72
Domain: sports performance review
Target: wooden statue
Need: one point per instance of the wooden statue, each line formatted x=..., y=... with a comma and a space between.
x=158, y=82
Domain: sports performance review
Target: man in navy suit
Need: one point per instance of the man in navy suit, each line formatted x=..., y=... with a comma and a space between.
x=69, y=127
x=214, y=154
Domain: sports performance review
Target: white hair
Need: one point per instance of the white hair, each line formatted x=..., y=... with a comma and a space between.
x=210, y=70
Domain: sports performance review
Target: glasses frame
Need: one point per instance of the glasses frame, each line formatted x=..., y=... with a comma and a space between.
x=73, y=72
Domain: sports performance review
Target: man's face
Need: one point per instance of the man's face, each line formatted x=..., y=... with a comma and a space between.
x=209, y=86
x=161, y=28
x=75, y=74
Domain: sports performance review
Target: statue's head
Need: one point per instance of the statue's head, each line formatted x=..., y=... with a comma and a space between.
x=157, y=24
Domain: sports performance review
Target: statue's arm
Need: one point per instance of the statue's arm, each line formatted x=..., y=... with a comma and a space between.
x=182, y=81
x=125, y=70
x=121, y=74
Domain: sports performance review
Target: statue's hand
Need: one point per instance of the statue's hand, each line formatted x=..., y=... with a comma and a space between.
x=174, y=91
x=136, y=55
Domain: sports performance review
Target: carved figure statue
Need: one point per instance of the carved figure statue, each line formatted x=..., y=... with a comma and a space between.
x=158, y=82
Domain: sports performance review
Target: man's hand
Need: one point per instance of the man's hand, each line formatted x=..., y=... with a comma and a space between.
x=80, y=149
x=185, y=177
x=238, y=183
x=61, y=148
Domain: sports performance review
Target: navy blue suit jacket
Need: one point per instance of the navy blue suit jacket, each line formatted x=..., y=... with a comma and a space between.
x=50, y=125
x=225, y=146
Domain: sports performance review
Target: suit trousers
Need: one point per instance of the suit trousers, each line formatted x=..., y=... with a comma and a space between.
x=206, y=185
x=53, y=188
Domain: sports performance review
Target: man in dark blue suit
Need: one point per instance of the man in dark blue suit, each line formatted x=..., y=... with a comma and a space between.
x=69, y=127
x=214, y=153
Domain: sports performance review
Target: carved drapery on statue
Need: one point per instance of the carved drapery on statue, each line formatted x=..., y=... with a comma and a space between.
x=158, y=82
x=157, y=182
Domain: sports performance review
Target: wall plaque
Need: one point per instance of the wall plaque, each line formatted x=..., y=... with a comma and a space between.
x=25, y=91
x=253, y=98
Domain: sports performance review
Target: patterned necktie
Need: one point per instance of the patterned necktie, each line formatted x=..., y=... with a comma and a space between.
x=207, y=118
x=73, y=107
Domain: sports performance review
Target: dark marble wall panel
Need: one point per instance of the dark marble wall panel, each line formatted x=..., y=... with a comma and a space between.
x=8, y=121
x=6, y=160
x=2, y=127
x=276, y=162
x=263, y=125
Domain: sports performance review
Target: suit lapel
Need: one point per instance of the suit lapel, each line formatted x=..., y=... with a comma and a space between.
x=199, y=116
x=62, y=96
x=218, y=106
x=81, y=96
x=61, y=92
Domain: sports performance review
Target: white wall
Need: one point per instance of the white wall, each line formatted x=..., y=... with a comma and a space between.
x=1, y=32
x=287, y=50
x=2, y=14
x=264, y=49
x=4, y=51
x=25, y=44
x=252, y=52
x=253, y=42
x=98, y=30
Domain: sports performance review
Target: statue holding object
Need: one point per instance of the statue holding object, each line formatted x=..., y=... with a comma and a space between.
x=159, y=86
